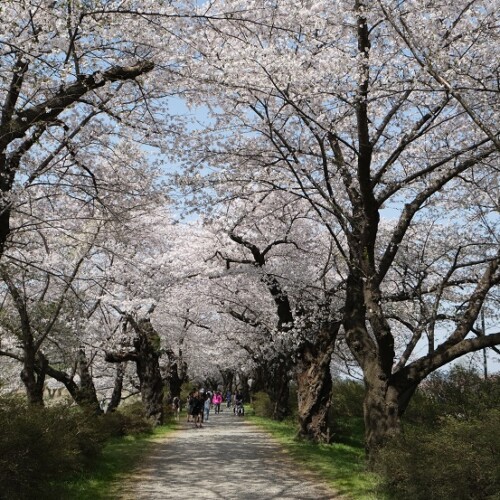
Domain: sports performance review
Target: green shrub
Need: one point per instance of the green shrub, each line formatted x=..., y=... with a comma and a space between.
x=347, y=398
x=458, y=460
x=41, y=445
x=345, y=418
x=133, y=419
x=169, y=415
x=424, y=409
x=262, y=405
x=112, y=424
x=460, y=392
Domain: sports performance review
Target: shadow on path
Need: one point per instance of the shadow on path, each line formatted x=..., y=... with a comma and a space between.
x=226, y=459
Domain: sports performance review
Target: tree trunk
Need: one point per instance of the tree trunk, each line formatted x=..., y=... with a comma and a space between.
x=381, y=412
x=147, y=346
x=146, y=356
x=87, y=395
x=33, y=378
x=116, y=396
x=6, y=181
x=174, y=381
x=227, y=380
x=374, y=351
x=243, y=383
x=314, y=385
x=84, y=395
x=278, y=390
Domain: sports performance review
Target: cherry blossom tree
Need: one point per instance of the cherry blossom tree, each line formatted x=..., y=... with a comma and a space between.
x=151, y=302
x=38, y=286
x=52, y=268
x=384, y=118
x=76, y=109
x=73, y=69
x=280, y=283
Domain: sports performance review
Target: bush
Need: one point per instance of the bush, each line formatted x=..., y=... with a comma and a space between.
x=458, y=460
x=41, y=445
x=345, y=418
x=461, y=392
x=347, y=398
x=128, y=419
x=262, y=405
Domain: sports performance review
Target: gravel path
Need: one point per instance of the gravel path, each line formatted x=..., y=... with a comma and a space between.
x=227, y=459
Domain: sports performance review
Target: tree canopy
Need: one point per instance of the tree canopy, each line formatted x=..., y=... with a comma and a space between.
x=341, y=160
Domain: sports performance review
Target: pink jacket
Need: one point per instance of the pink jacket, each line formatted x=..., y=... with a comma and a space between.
x=217, y=399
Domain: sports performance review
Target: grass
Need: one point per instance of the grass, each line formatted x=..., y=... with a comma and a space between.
x=342, y=466
x=119, y=457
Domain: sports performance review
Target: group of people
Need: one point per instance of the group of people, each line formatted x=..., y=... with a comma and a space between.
x=201, y=402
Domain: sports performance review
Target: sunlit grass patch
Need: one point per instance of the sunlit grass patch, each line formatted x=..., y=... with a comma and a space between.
x=342, y=466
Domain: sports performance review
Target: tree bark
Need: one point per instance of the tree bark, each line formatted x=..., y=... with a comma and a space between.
x=146, y=355
x=147, y=346
x=314, y=385
x=87, y=394
x=176, y=371
x=227, y=380
x=116, y=396
x=174, y=381
x=147, y=349
x=32, y=378
x=380, y=409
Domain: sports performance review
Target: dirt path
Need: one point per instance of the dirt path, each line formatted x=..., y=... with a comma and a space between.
x=227, y=459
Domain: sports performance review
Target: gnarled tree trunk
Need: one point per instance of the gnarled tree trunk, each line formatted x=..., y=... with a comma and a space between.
x=176, y=372
x=147, y=347
x=146, y=356
x=314, y=384
x=227, y=380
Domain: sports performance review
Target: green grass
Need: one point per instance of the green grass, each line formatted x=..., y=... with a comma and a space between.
x=119, y=457
x=342, y=466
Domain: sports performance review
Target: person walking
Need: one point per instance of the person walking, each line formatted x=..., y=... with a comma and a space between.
x=190, y=405
x=206, y=407
x=176, y=407
x=197, y=409
x=217, y=400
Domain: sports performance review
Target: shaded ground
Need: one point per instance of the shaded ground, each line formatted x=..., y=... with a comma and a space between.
x=227, y=459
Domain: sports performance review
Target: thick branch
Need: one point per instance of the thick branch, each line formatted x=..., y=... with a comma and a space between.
x=17, y=126
x=120, y=357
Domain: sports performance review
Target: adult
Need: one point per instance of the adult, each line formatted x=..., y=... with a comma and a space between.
x=238, y=403
x=206, y=407
x=197, y=409
x=190, y=405
x=176, y=407
x=217, y=400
